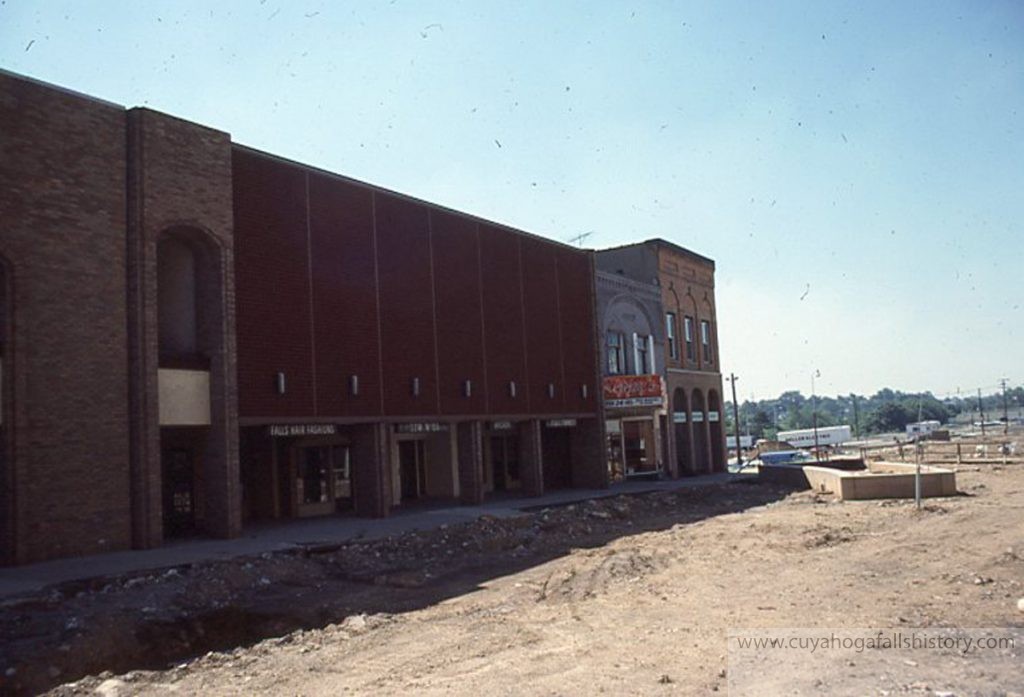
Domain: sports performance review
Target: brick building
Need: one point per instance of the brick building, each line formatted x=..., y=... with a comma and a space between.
x=692, y=373
x=195, y=334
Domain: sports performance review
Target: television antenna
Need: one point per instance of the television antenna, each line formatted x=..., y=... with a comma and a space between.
x=578, y=239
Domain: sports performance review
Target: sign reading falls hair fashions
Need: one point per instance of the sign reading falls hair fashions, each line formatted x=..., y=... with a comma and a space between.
x=285, y=430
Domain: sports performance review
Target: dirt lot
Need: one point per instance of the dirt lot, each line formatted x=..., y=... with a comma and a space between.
x=631, y=595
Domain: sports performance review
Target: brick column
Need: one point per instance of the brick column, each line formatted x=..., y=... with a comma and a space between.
x=708, y=444
x=531, y=458
x=372, y=470
x=179, y=185
x=471, y=462
x=587, y=445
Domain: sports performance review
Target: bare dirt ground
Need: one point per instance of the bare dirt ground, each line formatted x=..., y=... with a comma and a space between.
x=631, y=595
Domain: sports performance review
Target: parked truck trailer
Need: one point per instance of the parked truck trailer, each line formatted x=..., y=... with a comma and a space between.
x=827, y=435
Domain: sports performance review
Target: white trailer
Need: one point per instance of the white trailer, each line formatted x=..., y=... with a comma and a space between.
x=827, y=435
x=922, y=428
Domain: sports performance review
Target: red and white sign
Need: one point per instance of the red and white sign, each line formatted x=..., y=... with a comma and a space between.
x=634, y=391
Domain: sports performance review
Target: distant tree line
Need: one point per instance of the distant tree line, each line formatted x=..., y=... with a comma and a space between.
x=883, y=412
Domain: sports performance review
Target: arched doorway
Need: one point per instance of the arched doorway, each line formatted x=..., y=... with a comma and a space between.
x=681, y=427
x=700, y=432
x=715, y=423
x=7, y=507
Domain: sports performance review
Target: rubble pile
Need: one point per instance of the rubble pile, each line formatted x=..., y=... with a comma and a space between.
x=156, y=619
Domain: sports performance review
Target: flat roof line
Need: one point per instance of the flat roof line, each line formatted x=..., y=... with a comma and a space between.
x=407, y=197
x=660, y=241
x=59, y=88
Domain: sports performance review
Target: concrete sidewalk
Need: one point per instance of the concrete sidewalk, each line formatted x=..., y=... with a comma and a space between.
x=257, y=539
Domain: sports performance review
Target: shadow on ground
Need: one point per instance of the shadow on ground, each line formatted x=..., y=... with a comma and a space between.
x=157, y=619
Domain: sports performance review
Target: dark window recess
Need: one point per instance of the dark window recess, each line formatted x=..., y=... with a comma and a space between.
x=670, y=332
x=688, y=337
x=616, y=353
x=705, y=340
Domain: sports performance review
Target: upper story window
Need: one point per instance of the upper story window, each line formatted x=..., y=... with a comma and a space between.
x=688, y=337
x=177, y=306
x=705, y=340
x=670, y=332
x=616, y=353
x=641, y=347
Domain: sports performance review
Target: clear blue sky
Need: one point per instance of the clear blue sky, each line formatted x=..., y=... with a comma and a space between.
x=855, y=169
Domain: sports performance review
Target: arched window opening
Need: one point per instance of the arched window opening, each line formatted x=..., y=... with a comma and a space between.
x=681, y=423
x=716, y=423
x=700, y=433
x=177, y=297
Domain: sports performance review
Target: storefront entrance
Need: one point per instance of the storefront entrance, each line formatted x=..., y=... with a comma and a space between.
x=504, y=462
x=412, y=467
x=179, y=491
x=324, y=479
x=632, y=448
x=557, y=453
x=638, y=447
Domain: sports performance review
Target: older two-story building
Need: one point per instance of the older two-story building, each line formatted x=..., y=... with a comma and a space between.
x=696, y=442
x=629, y=315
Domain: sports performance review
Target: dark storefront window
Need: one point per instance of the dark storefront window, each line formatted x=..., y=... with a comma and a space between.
x=326, y=475
x=314, y=475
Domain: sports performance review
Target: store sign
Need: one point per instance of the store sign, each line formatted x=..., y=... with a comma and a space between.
x=623, y=391
x=288, y=430
x=712, y=416
x=679, y=417
x=501, y=425
x=560, y=423
x=429, y=427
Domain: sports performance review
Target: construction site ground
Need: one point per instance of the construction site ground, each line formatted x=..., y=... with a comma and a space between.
x=633, y=594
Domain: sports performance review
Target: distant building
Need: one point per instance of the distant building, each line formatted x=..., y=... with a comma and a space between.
x=695, y=443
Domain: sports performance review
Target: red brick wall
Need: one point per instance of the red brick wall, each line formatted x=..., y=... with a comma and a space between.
x=503, y=320
x=576, y=309
x=458, y=299
x=406, y=305
x=344, y=296
x=460, y=329
x=543, y=325
x=272, y=287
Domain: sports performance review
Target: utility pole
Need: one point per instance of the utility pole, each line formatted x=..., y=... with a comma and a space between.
x=736, y=422
x=1006, y=412
x=981, y=413
x=814, y=415
x=856, y=418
